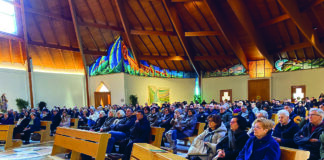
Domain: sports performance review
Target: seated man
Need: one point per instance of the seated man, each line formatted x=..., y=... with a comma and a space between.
x=33, y=126
x=226, y=116
x=140, y=133
x=100, y=121
x=308, y=137
x=6, y=120
x=56, y=120
x=22, y=123
x=121, y=130
x=285, y=130
x=290, y=109
x=45, y=116
x=248, y=115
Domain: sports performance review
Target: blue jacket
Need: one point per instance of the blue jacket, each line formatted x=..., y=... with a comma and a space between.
x=286, y=133
x=300, y=111
x=264, y=149
x=7, y=121
x=125, y=124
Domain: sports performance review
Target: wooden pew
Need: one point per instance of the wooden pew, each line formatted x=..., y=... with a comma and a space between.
x=80, y=141
x=147, y=151
x=198, y=130
x=295, y=154
x=75, y=122
x=157, y=132
x=275, y=118
x=6, y=132
x=45, y=133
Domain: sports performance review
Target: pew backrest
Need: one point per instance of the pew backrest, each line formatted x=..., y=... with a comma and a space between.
x=6, y=132
x=80, y=141
x=157, y=133
x=75, y=122
x=295, y=154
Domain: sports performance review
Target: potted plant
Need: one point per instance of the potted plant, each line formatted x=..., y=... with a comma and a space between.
x=133, y=99
x=21, y=104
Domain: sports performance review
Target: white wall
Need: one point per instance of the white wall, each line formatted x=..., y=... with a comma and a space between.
x=114, y=83
x=180, y=89
x=14, y=84
x=313, y=79
x=58, y=89
x=211, y=87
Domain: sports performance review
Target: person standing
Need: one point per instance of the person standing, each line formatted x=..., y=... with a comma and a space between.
x=3, y=102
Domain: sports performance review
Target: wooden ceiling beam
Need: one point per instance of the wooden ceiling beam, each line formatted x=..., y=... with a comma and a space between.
x=123, y=17
x=227, y=31
x=10, y=36
x=165, y=58
x=303, y=23
x=149, y=33
x=311, y=5
x=294, y=47
x=175, y=20
x=203, y=33
x=96, y=25
x=48, y=14
x=214, y=57
x=273, y=21
x=242, y=13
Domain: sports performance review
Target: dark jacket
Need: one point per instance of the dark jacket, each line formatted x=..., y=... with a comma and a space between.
x=106, y=125
x=305, y=144
x=202, y=117
x=251, y=117
x=99, y=123
x=125, y=124
x=264, y=149
x=166, y=124
x=188, y=125
x=47, y=118
x=56, y=120
x=36, y=125
x=23, y=124
x=300, y=111
x=140, y=132
x=153, y=118
x=292, y=115
x=7, y=121
x=231, y=152
x=226, y=118
x=286, y=133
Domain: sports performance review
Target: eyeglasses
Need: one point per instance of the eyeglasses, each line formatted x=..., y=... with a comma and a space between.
x=314, y=115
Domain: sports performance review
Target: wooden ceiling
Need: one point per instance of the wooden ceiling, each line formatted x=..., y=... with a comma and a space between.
x=182, y=35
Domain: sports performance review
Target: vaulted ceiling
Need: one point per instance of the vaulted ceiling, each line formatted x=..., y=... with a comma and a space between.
x=182, y=35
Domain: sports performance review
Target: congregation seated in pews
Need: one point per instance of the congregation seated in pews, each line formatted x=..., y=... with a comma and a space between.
x=238, y=130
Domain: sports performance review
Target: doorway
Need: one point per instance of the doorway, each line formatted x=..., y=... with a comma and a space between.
x=102, y=96
x=259, y=90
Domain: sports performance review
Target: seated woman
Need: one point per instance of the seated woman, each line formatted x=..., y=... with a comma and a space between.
x=285, y=130
x=184, y=129
x=210, y=137
x=231, y=145
x=6, y=120
x=65, y=120
x=83, y=119
x=153, y=116
x=92, y=117
x=108, y=122
x=175, y=122
x=261, y=145
x=100, y=121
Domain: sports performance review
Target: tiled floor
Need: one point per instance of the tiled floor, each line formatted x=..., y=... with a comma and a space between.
x=42, y=151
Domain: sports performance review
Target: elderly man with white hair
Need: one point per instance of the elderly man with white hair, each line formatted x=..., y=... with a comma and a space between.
x=100, y=121
x=308, y=137
x=285, y=130
x=226, y=116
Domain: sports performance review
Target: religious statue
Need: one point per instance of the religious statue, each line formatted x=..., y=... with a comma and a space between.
x=3, y=103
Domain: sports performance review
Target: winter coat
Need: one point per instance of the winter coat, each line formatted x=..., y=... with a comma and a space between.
x=232, y=152
x=202, y=117
x=188, y=125
x=106, y=125
x=226, y=118
x=125, y=124
x=99, y=123
x=304, y=143
x=153, y=118
x=166, y=124
x=300, y=111
x=140, y=132
x=213, y=137
x=286, y=133
x=265, y=148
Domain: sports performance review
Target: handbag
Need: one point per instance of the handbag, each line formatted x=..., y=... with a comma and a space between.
x=198, y=148
x=35, y=137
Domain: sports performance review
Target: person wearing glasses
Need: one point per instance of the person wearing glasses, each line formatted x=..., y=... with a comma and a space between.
x=261, y=145
x=308, y=137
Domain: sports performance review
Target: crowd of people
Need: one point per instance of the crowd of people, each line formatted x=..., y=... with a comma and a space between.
x=251, y=134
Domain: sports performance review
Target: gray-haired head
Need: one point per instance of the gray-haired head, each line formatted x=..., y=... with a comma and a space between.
x=319, y=112
x=283, y=112
x=263, y=114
